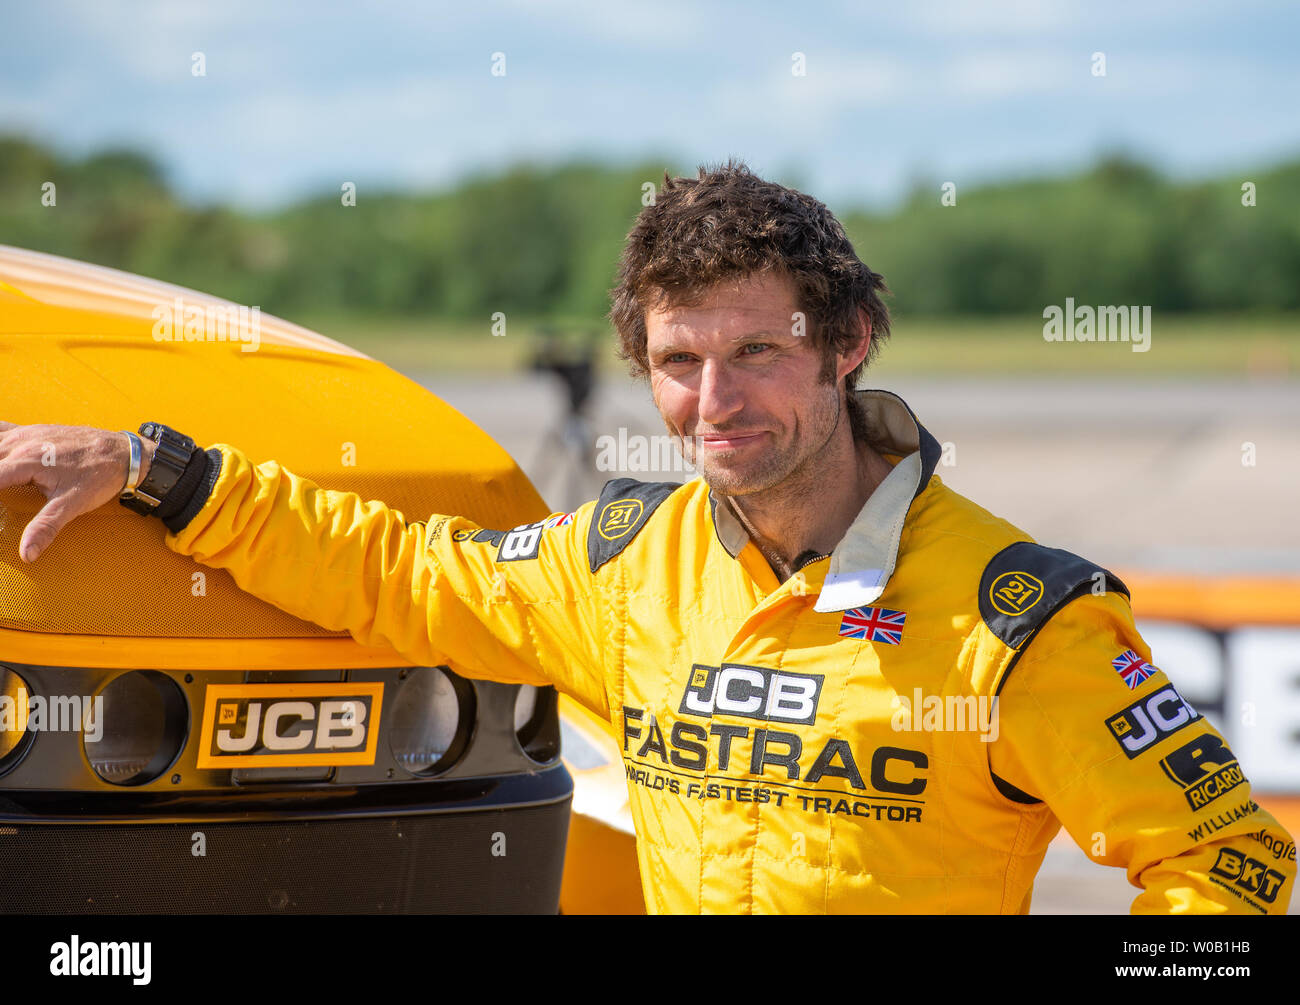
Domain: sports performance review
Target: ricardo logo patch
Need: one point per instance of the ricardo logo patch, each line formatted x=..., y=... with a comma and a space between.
x=1204, y=769
x=1013, y=593
x=290, y=725
x=619, y=518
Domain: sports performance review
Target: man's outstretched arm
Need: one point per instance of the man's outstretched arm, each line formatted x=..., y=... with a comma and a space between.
x=515, y=606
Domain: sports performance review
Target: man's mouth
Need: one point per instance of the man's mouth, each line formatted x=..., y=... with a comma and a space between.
x=714, y=442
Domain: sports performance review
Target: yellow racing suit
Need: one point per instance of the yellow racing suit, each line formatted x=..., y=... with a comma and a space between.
x=901, y=726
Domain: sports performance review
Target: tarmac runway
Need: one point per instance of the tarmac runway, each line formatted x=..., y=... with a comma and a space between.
x=1190, y=476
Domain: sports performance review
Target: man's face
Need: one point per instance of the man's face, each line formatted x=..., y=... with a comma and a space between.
x=742, y=390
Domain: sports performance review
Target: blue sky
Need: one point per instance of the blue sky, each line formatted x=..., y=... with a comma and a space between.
x=300, y=97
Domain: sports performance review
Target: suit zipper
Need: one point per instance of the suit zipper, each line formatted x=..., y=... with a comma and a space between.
x=810, y=562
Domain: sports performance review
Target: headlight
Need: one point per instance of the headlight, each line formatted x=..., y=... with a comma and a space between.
x=537, y=723
x=425, y=732
x=144, y=724
x=15, y=738
x=525, y=706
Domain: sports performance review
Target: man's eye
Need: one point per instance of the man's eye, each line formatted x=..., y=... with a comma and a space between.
x=753, y=345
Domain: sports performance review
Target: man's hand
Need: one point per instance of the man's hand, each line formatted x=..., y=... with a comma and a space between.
x=77, y=469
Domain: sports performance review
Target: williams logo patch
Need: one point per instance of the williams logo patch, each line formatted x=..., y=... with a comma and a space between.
x=1145, y=723
x=289, y=725
x=752, y=693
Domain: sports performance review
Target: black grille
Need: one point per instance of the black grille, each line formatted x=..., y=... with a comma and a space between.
x=421, y=863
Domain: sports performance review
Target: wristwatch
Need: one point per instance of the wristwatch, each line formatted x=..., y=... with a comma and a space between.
x=171, y=456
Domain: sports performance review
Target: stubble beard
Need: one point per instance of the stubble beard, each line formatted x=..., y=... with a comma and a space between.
x=790, y=472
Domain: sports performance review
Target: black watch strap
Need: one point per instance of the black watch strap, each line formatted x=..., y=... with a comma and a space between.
x=172, y=456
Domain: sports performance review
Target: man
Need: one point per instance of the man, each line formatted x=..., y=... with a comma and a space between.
x=801, y=649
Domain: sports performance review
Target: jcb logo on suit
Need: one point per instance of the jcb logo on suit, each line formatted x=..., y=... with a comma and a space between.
x=521, y=542
x=752, y=693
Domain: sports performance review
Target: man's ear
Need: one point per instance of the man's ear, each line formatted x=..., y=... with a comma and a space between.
x=850, y=359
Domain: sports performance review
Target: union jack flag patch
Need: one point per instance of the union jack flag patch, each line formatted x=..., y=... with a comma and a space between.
x=1132, y=668
x=875, y=624
x=559, y=520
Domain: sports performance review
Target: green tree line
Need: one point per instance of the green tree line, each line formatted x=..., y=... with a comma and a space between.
x=545, y=241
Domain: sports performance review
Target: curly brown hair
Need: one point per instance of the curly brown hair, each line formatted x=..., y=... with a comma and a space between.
x=729, y=224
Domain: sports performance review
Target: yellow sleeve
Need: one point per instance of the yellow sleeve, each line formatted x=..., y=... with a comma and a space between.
x=513, y=606
x=1135, y=775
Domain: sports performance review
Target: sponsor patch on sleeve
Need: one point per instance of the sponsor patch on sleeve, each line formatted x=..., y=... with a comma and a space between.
x=1145, y=723
x=1024, y=584
x=1253, y=878
x=525, y=541
x=1204, y=769
x=477, y=536
x=516, y=544
x=624, y=507
x=521, y=542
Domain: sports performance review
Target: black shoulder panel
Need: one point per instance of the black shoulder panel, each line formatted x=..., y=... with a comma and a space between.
x=623, y=508
x=1024, y=584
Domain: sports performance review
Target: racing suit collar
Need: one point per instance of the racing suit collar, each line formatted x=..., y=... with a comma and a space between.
x=863, y=561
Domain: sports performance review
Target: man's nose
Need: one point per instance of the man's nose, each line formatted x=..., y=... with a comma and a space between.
x=721, y=395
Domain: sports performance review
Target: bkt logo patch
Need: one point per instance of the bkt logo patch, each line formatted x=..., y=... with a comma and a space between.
x=1145, y=723
x=1204, y=769
x=752, y=693
x=1249, y=874
x=291, y=725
